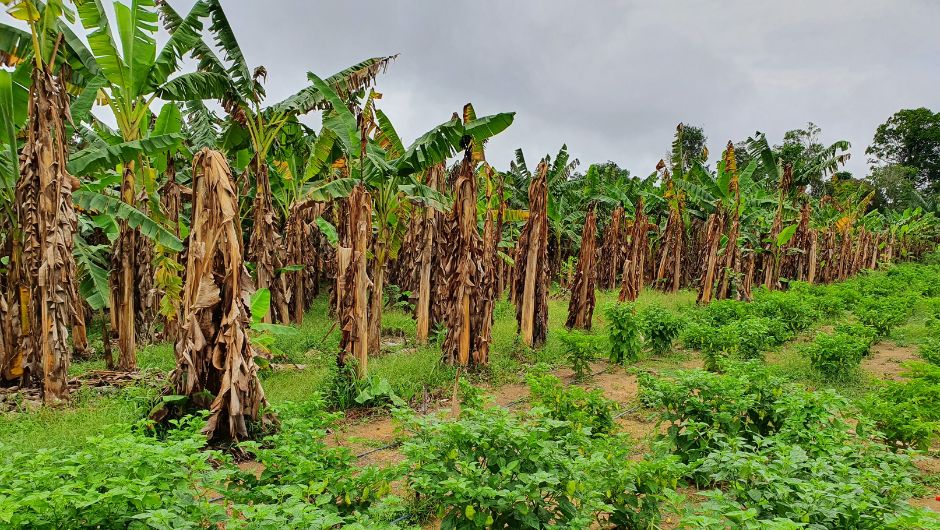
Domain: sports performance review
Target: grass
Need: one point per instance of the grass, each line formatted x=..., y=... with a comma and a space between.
x=306, y=356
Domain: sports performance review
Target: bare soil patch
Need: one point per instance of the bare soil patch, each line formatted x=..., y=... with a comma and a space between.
x=886, y=359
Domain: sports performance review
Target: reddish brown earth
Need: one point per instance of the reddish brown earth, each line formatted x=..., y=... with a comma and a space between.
x=886, y=359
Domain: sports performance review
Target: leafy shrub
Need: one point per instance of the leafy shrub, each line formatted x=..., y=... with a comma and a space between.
x=746, y=339
x=838, y=355
x=699, y=336
x=771, y=483
x=112, y=482
x=580, y=349
x=578, y=407
x=933, y=308
x=660, y=328
x=703, y=408
x=883, y=313
x=860, y=331
x=790, y=308
x=624, y=333
x=345, y=390
x=394, y=297
x=720, y=312
x=777, y=332
x=906, y=412
x=929, y=349
x=492, y=469
x=779, y=456
x=297, y=456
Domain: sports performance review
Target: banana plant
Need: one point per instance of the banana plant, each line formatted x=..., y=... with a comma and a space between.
x=391, y=172
x=255, y=127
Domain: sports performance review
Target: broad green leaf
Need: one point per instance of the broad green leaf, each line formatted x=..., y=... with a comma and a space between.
x=194, y=86
x=96, y=159
x=786, y=235
x=184, y=35
x=138, y=27
x=260, y=304
x=328, y=230
x=98, y=202
x=101, y=42
x=92, y=262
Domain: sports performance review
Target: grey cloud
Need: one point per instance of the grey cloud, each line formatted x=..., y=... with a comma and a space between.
x=611, y=79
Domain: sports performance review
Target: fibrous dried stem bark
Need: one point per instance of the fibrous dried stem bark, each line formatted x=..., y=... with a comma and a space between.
x=531, y=265
x=354, y=297
x=263, y=247
x=581, y=305
x=469, y=303
x=48, y=222
x=635, y=263
x=213, y=352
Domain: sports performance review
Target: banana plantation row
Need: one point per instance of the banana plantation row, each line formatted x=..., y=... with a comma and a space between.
x=168, y=222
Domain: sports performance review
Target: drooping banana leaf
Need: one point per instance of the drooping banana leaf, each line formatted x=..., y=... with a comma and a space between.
x=94, y=159
x=90, y=200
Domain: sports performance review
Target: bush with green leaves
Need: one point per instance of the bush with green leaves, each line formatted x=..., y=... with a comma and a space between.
x=837, y=356
x=846, y=292
x=721, y=312
x=580, y=408
x=929, y=349
x=700, y=336
x=820, y=298
x=491, y=468
x=906, y=411
x=790, y=308
x=297, y=456
x=117, y=481
x=623, y=333
x=134, y=480
x=771, y=483
x=884, y=313
x=747, y=401
x=344, y=389
x=581, y=349
x=660, y=328
x=867, y=334
x=779, y=456
x=747, y=338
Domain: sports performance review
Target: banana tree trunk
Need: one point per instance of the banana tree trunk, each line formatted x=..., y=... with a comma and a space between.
x=354, y=302
x=214, y=353
x=634, y=266
x=531, y=266
x=264, y=243
x=714, y=229
x=379, y=265
x=469, y=312
x=48, y=222
x=610, y=251
x=122, y=282
x=581, y=305
x=424, y=278
x=811, y=268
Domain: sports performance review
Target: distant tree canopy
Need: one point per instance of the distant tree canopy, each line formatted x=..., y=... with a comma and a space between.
x=896, y=188
x=910, y=138
x=692, y=146
x=802, y=148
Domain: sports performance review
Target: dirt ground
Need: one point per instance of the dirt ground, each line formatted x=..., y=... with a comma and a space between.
x=886, y=359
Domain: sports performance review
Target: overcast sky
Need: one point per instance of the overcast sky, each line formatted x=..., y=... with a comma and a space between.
x=613, y=78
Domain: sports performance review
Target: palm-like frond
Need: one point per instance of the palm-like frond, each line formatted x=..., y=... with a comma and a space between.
x=135, y=218
x=96, y=159
x=185, y=33
x=344, y=83
x=101, y=42
x=237, y=71
x=137, y=26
